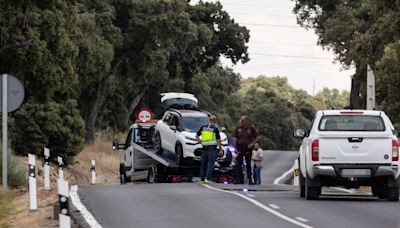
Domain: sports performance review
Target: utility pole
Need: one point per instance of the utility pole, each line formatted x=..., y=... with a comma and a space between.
x=370, y=89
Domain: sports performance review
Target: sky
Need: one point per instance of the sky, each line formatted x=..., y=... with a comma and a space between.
x=274, y=36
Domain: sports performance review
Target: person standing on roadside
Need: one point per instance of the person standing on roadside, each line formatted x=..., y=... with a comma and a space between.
x=257, y=158
x=245, y=136
x=211, y=141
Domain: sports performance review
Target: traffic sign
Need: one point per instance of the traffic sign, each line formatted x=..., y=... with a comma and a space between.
x=144, y=114
x=15, y=93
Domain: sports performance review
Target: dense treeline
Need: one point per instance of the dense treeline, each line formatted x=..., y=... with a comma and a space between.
x=361, y=32
x=277, y=109
x=87, y=65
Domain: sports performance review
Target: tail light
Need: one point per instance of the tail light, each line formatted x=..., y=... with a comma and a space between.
x=176, y=179
x=395, y=150
x=223, y=180
x=315, y=150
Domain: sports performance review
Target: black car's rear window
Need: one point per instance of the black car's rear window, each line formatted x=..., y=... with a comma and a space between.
x=351, y=123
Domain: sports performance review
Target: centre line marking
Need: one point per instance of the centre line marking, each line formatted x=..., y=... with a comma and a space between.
x=301, y=219
x=274, y=206
x=262, y=206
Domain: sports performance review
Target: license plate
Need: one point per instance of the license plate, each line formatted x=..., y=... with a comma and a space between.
x=356, y=172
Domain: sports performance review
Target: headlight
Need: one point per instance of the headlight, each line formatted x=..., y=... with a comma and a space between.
x=190, y=138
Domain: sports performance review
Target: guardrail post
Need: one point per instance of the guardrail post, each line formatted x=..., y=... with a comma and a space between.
x=296, y=173
x=60, y=168
x=93, y=169
x=46, y=168
x=63, y=198
x=32, y=182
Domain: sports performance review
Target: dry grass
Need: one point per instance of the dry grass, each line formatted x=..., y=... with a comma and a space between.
x=107, y=163
x=107, y=170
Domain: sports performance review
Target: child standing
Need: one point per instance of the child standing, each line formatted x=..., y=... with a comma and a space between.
x=257, y=159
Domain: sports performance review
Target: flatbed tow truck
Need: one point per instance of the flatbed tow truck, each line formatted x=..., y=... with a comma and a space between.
x=139, y=160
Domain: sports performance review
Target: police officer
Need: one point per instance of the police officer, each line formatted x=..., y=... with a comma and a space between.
x=245, y=136
x=210, y=139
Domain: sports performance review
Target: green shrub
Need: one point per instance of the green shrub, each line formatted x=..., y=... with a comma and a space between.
x=16, y=172
x=53, y=125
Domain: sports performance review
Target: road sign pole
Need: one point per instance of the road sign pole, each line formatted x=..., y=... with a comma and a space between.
x=4, y=135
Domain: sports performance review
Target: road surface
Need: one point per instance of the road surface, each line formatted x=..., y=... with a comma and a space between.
x=196, y=206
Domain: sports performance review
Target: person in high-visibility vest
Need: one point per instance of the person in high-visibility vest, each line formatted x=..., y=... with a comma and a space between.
x=211, y=141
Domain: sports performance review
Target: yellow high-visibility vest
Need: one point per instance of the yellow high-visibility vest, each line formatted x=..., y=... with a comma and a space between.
x=208, y=137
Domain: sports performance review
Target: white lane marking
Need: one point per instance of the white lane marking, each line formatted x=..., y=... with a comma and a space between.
x=274, y=206
x=301, y=219
x=262, y=206
x=251, y=195
x=344, y=190
x=277, y=180
x=91, y=221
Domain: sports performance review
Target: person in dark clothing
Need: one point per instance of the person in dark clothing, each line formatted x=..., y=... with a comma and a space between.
x=210, y=139
x=245, y=136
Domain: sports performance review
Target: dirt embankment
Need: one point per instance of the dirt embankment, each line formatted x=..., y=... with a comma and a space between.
x=107, y=164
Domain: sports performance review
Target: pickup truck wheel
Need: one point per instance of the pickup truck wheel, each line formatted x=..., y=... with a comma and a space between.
x=179, y=154
x=311, y=192
x=392, y=194
x=302, y=185
x=157, y=144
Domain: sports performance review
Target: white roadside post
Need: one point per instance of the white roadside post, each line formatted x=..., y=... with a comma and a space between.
x=60, y=168
x=46, y=169
x=32, y=183
x=63, y=198
x=93, y=172
x=296, y=173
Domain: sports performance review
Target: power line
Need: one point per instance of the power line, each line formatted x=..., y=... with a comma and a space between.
x=286, y=44
x=252, y=5
x=264, y=15
x=271, y=25
x=290, y=56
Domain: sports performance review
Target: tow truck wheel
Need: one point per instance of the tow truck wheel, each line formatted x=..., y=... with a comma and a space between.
x=392, y=194
x=151, y=175
x=123, y=178
x=157, y=143
x=179, y=154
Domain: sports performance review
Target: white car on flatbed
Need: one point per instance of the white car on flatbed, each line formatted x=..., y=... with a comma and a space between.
x=349, y=148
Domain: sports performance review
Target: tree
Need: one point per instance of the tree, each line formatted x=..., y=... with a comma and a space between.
x=276, y=109
x=167, y=41
x=354, y=30
x=36, y=46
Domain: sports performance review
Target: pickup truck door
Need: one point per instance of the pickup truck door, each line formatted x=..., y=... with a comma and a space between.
x=355, y=147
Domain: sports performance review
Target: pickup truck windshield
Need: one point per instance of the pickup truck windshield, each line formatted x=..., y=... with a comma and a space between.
x=351, y=123
x=193, y=124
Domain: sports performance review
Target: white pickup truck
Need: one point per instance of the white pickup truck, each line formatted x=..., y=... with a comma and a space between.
x=349, y=148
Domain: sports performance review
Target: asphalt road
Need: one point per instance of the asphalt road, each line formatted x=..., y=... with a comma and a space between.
x=195, y=206
x=275, y=163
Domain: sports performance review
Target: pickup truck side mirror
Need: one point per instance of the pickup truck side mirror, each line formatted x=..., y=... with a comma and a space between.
x=116, y=145
x=300, y=133
x=173, y=127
